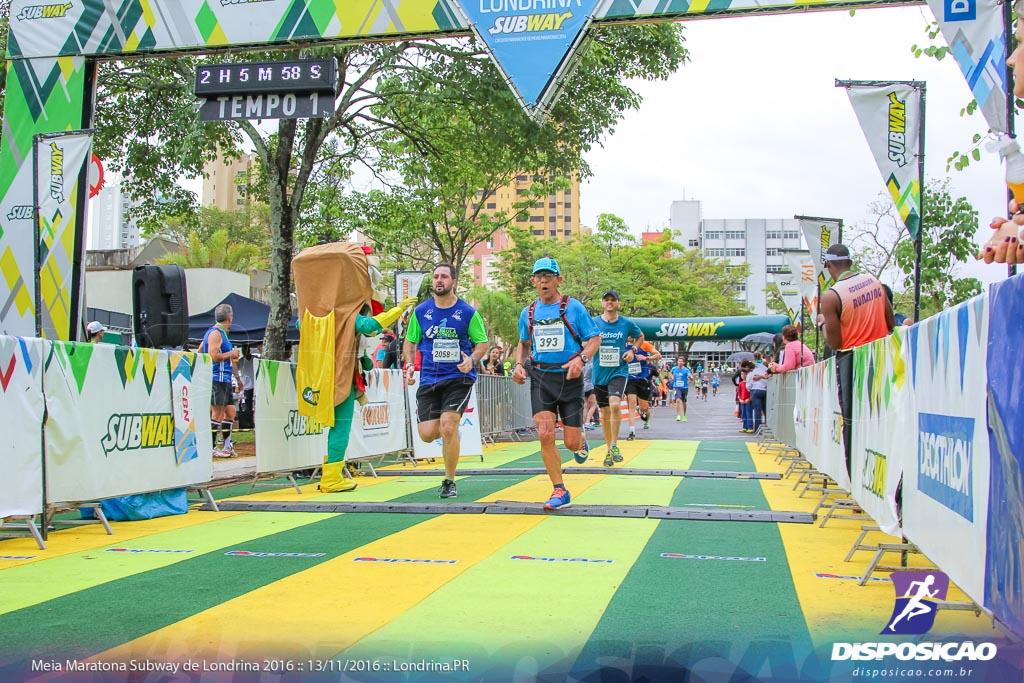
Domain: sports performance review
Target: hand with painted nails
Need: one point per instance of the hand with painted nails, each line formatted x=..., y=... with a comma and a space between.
x=1005, y=245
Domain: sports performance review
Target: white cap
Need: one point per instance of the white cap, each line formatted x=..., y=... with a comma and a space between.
x=94, y=327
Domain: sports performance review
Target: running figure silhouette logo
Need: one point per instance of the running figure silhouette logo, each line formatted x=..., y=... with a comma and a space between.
x=916, y=595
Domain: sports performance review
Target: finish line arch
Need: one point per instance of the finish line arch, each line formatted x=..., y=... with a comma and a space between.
x=52, y=48
x=726, y=328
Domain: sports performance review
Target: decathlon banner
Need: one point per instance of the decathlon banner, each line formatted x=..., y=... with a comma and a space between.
x=379, y=425
x=470, y=439
x=883, y=433
x=801, y=267
x=891, y=117
x=110, y=426
x=60, y=163
x=945, y=487
x=285, y=440
x=786, y=283
x=819, y=421
x=21, y=423
x=191, y=390
x=532, y=43
x=974, y=31
x=820, y=234
x=1004, y=564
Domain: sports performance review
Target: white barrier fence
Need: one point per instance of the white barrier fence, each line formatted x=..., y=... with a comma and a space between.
x=937, y=415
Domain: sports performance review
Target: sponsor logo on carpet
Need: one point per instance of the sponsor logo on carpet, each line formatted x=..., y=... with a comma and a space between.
x=145, y=550
x=850, y=577
x=249, y=553
x=399, y=560
x=17, y=557
x=679, y=556
x=561, y=559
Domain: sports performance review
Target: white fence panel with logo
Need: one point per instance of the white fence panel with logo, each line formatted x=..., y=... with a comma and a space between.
x=21, y=422
x=818, y=420
x=946, y=486
x=883, y=435
x=379, y=425
x=285, y=440
x=470, y=439
x=110, y=426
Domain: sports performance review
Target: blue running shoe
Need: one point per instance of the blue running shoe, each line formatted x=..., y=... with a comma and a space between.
x=559, y=499
x=582, y=454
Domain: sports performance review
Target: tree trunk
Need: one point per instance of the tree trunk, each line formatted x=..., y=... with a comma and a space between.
x=282, y=230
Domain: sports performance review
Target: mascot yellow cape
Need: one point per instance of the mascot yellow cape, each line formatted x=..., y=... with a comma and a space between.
x=336, y=299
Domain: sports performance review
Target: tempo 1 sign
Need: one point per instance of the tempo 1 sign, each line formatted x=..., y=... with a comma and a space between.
x=269, y=106
x=297, y=88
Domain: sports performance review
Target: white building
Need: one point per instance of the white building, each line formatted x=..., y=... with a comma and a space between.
x=111, y=225
x=757, y=241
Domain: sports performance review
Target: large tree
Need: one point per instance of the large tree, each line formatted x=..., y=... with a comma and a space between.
x=389, y=100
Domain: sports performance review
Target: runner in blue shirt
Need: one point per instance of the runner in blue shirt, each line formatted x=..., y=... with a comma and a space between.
x=638, y=388
x=715, y=381
x=450, y=337
x=558, y=337
x=680, y=387
x=611, y=370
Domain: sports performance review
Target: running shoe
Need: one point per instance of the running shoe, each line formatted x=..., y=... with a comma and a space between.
x=684, y=418
x=616, y=454
x=609, y=461
x=645, y=416
x=631, y=436
x=559, y=499
x=582, y=454
x=678, y=419
x=447, y=489
x=647, y=425
x=223, y=454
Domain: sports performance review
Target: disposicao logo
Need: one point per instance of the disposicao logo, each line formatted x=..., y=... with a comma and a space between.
x=561, y=559
x=401, y=560
x=916, y=594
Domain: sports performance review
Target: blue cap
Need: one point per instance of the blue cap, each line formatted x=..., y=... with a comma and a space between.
x=546, y=264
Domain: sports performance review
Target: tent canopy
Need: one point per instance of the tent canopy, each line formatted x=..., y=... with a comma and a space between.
x=248, y=327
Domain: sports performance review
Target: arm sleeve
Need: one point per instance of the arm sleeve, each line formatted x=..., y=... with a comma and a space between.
x=367, y=326
x=413, y=333
x=524, y=327
x=477, y=332
x=636, y=331
x=789, y=361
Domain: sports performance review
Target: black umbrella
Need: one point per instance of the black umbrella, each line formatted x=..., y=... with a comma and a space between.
x=766, y=338
x=739, y=357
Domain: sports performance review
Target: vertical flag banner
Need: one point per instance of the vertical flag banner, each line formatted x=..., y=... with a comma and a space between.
x=820, y=233
x=21, y=411
x=801, y=267
x=974, y=31
x=532, y=43
x=191, y=389
x=890, y=117
x=60, y=164
x=408, y=283
x=790, y=293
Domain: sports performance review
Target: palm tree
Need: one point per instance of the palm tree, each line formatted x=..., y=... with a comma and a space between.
x=216, y=252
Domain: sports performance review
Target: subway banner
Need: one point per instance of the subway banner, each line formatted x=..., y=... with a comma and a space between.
x=470, y=439
x=946, y=483
x=110, y=426
x=60, y=162
x=1004, y=565
x=379, y=423
x=820, y=234
x=882, y=437
x=819, y=434
x=891, y=118
x=285, y=440
x=22, y=410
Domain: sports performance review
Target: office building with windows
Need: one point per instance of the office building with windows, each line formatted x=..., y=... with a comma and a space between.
x=226, y=181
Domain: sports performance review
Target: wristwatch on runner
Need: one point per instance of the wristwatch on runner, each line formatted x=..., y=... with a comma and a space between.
x=585, y=358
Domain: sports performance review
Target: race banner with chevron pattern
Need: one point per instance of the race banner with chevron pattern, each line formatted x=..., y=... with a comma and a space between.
x=110, y=425
x=22, y=409
x=890, y=117
x=60, y=164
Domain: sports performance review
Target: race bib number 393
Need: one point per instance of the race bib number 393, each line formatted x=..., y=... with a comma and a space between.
x=550, y=337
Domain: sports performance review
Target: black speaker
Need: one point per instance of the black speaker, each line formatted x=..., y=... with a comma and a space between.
x=159, y=306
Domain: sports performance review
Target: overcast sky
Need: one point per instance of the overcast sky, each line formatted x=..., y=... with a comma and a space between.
x=754, y=127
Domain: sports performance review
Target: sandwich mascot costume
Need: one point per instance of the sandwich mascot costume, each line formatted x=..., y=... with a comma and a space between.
x=338, y=306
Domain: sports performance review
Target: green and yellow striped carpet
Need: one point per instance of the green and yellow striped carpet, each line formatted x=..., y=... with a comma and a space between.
x=310, y=596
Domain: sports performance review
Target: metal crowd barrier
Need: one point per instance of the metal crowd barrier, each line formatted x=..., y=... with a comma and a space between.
x=504, y=406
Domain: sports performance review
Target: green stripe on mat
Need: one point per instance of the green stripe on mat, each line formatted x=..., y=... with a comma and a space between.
x=503, y=610
x=688, y=609
x=676, y=455
x=107, y=615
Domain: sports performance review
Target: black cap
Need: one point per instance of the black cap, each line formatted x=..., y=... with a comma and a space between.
x=611, y=293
